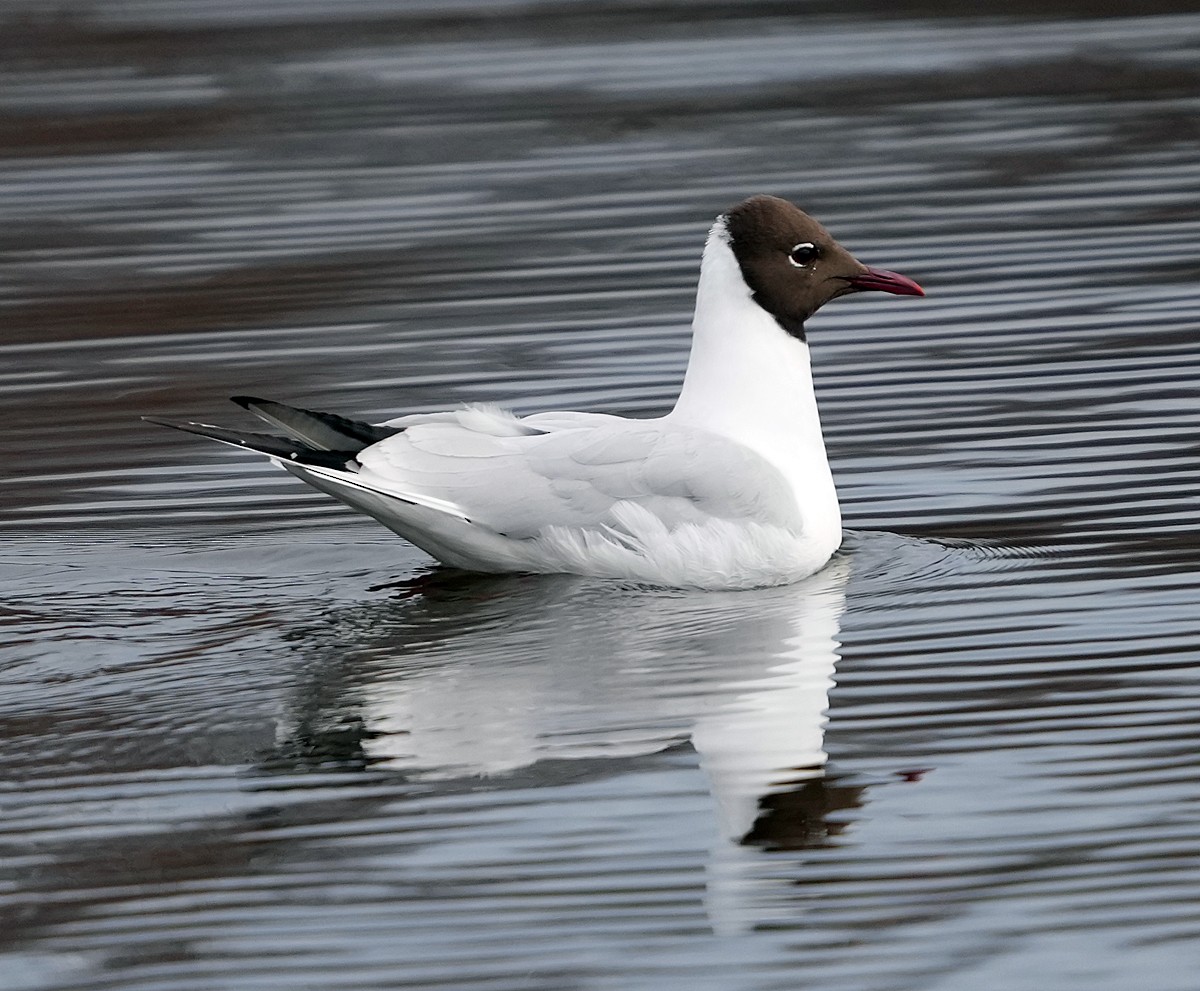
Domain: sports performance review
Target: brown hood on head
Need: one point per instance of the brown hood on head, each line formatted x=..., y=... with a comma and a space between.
x=793, y=266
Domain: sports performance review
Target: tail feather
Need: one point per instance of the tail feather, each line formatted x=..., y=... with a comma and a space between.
x=321, y=431
x=283, y=448
x=335, y=471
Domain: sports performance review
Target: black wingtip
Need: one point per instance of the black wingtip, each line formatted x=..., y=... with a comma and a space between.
x=318, y=430
x=282, y=448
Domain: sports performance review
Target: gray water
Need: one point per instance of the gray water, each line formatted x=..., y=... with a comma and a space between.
x=251, y=740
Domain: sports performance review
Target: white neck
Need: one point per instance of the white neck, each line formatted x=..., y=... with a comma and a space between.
x=749, y=380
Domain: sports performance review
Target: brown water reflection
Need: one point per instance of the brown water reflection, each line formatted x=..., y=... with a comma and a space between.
x=250, y=741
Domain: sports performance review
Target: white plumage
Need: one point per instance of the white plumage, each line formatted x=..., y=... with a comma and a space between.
x=731, y=489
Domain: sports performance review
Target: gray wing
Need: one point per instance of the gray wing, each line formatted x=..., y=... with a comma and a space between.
x=518, y=485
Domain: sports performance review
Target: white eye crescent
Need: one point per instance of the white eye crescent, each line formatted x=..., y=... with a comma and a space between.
x=803, y=254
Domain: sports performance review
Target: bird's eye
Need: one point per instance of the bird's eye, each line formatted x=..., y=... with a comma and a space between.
x=803, y=254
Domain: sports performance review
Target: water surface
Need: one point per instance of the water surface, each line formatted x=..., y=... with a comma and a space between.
x=251, y=740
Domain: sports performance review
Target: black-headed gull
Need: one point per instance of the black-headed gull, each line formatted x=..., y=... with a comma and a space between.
x=731, y=489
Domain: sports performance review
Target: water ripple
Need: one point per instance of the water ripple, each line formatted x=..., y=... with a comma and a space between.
x=252, y=741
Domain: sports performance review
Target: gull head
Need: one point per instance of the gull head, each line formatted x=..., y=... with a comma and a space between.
x=792, y=265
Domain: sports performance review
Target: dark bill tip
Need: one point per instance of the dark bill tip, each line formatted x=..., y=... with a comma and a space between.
x=893, y=282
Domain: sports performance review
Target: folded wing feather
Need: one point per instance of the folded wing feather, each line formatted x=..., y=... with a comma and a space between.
x=519, y=483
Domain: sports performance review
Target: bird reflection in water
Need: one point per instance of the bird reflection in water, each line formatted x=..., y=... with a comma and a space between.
x=466, y=681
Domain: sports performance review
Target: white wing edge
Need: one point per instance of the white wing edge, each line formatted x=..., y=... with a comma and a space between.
x=382, y=488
